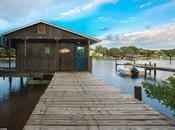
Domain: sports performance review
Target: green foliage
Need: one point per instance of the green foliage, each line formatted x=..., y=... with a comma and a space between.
x=6, y=52
x=131, y=50
x=163, y=92
x=102, y=50
x=169, y=53
x=114, y=52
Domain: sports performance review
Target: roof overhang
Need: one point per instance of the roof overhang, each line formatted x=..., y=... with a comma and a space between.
x=92, y=40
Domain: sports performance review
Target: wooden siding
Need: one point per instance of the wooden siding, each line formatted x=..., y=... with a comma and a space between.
x=51, y=33
x=34, y=58
x=67, y=59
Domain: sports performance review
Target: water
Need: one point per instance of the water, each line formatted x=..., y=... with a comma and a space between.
x=105, y=69
x=17, y=101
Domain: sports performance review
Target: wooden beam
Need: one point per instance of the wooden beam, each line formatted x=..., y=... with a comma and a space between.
x=138, y=92
x=25, y=53
x=89, y=58
x=9, y=45
x=25, y=49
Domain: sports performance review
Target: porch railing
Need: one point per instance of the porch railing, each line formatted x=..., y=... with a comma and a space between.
x=7, y=64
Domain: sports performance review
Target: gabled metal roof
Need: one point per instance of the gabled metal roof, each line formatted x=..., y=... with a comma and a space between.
x=95, y=40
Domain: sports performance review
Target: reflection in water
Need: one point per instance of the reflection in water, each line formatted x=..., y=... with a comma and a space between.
x=17, y=101
x=163, y=92
x=12, y=86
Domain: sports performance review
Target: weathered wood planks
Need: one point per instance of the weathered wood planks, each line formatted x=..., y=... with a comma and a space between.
x=78, y=101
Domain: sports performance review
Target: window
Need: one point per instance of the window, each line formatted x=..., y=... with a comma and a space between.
x=47, y=50
x=41, y=29
x=80, y=52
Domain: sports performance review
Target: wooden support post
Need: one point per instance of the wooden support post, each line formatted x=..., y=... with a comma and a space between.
x=155, y=71
x=10, y=83
x=9, y=49
x=170, y=59
x=21, y=82
x=57, y=55
x=138, y=92
x=150, y=69
x=145, y=71
x=89, y=58
x=116, y=65
x=25, y=53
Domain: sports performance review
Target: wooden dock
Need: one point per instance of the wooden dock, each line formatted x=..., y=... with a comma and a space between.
x=78, y=101
x=151, y=67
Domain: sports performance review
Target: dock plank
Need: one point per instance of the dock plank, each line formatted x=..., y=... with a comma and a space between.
x=78, y=101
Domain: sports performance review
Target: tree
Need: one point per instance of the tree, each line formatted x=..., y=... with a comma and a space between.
x=114, y=52
x=102, y=50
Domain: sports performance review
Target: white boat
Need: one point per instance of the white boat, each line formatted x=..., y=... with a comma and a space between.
x=124, y=70
x=128, y=70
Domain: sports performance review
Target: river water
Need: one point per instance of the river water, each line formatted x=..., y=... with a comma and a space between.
x=18, y=99
x=105, y=69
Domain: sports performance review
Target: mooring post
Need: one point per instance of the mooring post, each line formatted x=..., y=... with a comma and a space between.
x=170, y=59
x=116, y=65
x=21, y=81
x=138, y=92
x=10, y=82
x=145, y=71
x=150, y=69
x=155, y=72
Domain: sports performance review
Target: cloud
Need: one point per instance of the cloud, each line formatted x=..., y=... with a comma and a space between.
x=4, y=24
x=18, y=9
x=145, y=5
x=95, y=3
x=160, y=37
x=88, y=6
x=71, y=12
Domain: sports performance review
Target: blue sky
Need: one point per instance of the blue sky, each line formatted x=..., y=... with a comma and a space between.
x=142, y=23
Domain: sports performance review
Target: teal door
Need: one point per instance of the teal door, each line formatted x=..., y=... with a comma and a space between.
x=80, y=62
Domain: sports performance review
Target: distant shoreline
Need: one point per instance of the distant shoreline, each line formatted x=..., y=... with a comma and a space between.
x=141, y=58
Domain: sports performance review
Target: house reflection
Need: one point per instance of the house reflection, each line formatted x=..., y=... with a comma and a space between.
x=22, y=88
x=12, y=86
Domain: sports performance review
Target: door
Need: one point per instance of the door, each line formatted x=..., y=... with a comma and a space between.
x=80, y=62
x=66, y=53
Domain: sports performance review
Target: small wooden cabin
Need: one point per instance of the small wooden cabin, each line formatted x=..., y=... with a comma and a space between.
x=44, y=47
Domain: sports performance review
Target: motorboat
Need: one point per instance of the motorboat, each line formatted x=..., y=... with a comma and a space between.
x=129, y=70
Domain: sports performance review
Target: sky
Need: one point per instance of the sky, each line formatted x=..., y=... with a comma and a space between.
x=146, y=24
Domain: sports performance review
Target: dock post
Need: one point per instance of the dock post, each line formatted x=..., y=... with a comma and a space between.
x=138, y=92
x=145, y=71
x=150, y=69
x=116, y=65
x=10, y=82
x=134, y=61
x=170, y=59
x=21, y=82
x=155, y=72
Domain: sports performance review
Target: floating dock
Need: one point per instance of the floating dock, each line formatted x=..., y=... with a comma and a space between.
x=78, y=101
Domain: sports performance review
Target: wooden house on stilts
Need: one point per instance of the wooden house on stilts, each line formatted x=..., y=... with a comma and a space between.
x=43, y=47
